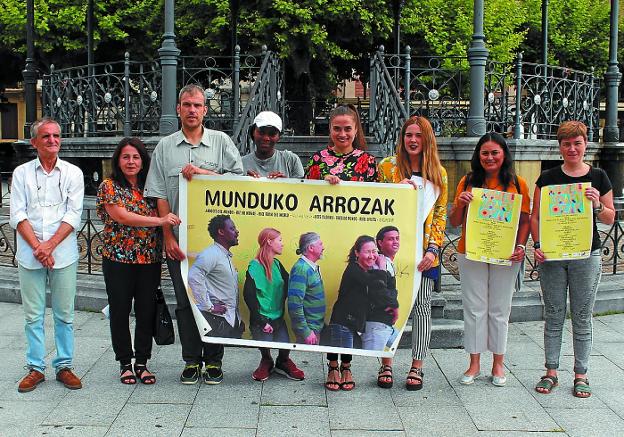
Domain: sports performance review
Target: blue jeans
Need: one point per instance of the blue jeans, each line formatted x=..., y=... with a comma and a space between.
x=376, y=336
x=340, y=336
x=62, y=284
x=581, y=277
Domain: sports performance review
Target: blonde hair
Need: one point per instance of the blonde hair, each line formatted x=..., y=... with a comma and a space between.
x=266, y=255
x=571, y=129
x=430, y=165
x=359, y=142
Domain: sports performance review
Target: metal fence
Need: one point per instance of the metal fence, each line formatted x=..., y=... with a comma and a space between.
x=124, y=97
x=524, y=99
x=90, y=247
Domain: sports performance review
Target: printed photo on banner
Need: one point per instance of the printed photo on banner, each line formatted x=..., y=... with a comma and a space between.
x=566, y=221
x=491, y=226
x=296, y=264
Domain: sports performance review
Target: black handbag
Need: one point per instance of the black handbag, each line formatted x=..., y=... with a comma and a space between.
x=163, y=324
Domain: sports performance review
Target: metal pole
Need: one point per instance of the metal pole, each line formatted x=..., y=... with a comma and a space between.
x=90, y=69
x=612, y=80
x=234, y=7
x=408, y=78
x=30, y=73
x=127, y=129
x=236, y=87
x=545, y=32
x=517, y=132
x=477, y=57
x=169, y=62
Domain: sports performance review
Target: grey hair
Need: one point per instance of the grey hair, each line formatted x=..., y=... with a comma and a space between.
x=306, y=240
x=192, y=88
x=34, y=128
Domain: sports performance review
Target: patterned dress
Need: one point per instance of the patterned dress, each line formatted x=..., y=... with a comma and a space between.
x=356, y=165
x=122, y=243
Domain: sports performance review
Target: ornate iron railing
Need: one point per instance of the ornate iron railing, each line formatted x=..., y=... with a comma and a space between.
x=265, y=95
x=107, y=99
x=387, y=112
x=439, y=89
x=549, y=95
x=124, y=97
x=90, y=246
x=5, y=187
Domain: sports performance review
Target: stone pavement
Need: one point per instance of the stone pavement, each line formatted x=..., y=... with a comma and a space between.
x=243, y=407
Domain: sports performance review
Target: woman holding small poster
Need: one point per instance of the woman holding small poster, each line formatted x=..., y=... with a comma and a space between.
x=579, y=276
x=487, y=289
x=417, y=156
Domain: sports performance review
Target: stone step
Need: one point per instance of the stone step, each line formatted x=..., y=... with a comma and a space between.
x=445, y=333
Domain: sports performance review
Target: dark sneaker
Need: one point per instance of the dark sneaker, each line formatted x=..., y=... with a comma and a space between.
x=289, y=369
x=263, y=371
x=30, y=381
x=190, y=374
x=213, y=375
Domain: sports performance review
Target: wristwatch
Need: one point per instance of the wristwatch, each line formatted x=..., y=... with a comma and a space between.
x=536, y=245
x=599, y=209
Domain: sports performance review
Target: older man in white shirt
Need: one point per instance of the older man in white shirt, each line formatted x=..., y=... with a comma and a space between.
x=46, y=207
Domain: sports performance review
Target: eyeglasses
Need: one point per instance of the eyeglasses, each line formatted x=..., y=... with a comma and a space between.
x=39, y=186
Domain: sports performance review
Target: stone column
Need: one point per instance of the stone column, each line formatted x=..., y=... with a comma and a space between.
x=477, y=57
x=168, y=63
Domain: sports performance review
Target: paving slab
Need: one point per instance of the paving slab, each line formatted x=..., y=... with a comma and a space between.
x=150, y=419
x=443, y=420
x=596, y=423
x=293, y=421
x=363, y=410
x=221, y=432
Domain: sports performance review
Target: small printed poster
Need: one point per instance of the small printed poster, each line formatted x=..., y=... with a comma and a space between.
x=566, y=221
x=492, y=225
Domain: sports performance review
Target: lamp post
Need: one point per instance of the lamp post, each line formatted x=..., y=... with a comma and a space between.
x=612, y=79
x=545, y=32
x=234, y=8
x=169, y=63
x=30, y=72
x=477, y=58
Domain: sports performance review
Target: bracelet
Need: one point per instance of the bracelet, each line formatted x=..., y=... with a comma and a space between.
x=599, y=208
x=536, y=245
x=522, y=246
x=434, y=250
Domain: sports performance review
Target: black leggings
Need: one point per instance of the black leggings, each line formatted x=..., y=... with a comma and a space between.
x=125, y=282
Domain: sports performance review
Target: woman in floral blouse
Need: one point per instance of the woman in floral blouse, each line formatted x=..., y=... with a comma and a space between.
x=344, y=159
x=131, y=256
x=417, y=155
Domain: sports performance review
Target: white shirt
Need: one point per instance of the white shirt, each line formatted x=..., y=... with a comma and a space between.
x=46, y=200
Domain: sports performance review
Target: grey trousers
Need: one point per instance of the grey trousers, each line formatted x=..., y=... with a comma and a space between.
x=581, y=278
x=487, y=290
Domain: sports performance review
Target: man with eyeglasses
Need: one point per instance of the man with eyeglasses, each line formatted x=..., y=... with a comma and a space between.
x=189, y=151
x=46, y=207
x=265, y=160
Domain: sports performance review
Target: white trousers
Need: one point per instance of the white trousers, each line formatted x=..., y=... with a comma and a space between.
x=487, y=291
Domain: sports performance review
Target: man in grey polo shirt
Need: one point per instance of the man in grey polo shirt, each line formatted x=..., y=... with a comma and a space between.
x=265, y=160
x=213, y=279
x=189, y=151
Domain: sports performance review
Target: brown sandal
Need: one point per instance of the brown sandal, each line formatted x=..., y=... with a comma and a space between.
x=414, y=374
x=346, y=385
x=385, y=371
